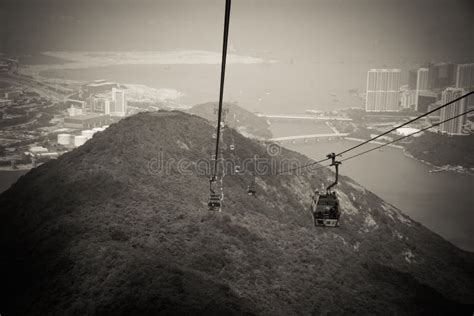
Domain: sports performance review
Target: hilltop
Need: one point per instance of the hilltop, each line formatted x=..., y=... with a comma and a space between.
x=104, y=230
x=237, y=117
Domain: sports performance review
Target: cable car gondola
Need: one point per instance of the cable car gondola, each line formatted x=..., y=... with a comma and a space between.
x=325, y=207
x=214, y=203
x=252, y=189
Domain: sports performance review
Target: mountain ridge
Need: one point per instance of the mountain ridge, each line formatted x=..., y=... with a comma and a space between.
x=247, y=123
x=98, y=231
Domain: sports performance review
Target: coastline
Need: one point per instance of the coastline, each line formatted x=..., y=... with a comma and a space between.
x=9, y=177
x=84, y=59
x=360, y=140
x=26, y=167
x=76, y=60
x=435, y=168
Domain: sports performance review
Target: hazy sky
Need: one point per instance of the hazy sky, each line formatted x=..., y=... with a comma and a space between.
x=323, y=30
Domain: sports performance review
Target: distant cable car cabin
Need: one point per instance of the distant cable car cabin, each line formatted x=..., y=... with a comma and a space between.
x=252, y=187
x=214, y=203
x=325, y=207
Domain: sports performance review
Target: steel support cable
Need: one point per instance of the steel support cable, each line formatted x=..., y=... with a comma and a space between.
x=406, y=123
x=383, y=134
x=406, y=136
x=221, y=90
x=304, y=166
x=399, y=139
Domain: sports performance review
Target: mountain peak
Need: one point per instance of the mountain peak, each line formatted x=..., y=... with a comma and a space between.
x=120, y=225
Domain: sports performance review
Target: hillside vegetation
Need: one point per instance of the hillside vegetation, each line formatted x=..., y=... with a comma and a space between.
x=237, y=117
x=440, y=150
x=99, y=231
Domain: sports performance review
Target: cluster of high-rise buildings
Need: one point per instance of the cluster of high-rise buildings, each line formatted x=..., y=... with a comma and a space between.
x=100, y=106
x=116, y=105
x=427, y=88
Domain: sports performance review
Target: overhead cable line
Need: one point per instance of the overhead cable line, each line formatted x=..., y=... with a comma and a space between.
x=406, y=136
x=304, y=166
x=406, y=123
x=221, y=90
x=215, y=199
x=382, y=134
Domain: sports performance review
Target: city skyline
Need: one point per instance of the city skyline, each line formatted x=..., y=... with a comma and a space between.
x=427, y=86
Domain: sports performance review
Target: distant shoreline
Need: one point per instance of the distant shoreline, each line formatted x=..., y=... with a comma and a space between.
x=456, y=169
x=9, y=177
x=84, y=60
x=435, y=168
x=26, y=167
x=78, y=60
x=360, y=140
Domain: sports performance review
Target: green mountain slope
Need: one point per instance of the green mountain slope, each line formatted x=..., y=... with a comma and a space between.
x=440, y=150
x=237, y=117
x=103, y=230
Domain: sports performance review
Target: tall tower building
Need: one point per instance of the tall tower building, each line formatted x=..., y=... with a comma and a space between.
x=453, y=127
x=393, y=90
x=422, y=79
x=442, y=76
x=465, y=76
x=465, y=80
x=383, y=90
x=422, y=84
x=107, y=107
x=412, y=77
x=118, y=106
x=371, y=90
